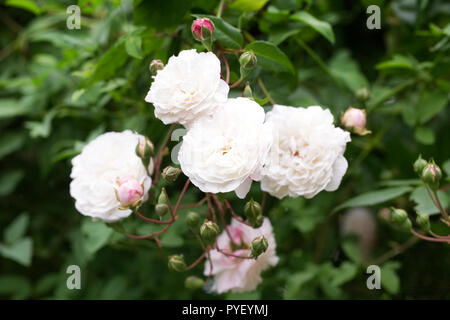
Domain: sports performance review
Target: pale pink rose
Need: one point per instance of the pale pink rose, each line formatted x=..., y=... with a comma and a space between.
x=236, y=274
x=355, y=119
x=129, y=191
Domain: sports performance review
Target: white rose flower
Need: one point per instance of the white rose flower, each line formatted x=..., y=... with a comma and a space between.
x=308, y=154
x=225, y=152
x=189, y=87
x=237, y=274
x=108, y=176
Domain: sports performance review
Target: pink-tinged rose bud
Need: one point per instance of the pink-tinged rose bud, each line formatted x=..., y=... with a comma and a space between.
x=156, y=65
x=202, y=29
x=129, y=192
x=355, y=119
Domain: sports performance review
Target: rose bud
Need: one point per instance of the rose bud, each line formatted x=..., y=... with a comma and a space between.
x=192, y=219
x=423, y=220
x=162, y=199
x=161, y=209
x=398, y=215
x=355, y=119
x=209, y=231
x=193, y=283
x=130, y=192
x=431, y=175
x=170, y=174
x=259, y=246
x=176, y=263
x=252, y=210
x=202, y=29
x=419, y=164
x=248, y=60
x=156, y=65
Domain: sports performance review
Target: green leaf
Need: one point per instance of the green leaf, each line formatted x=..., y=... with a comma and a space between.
x=160, y=14
x=95, y=235
x=424, y=204
x=13, y=108
x=430, y=104
x=133, y=45
x=424, y=135
x=446, y=167
x=28, y=5
x=270, y=56
x=389, y=278
x=397, y=62
x=352, y=251
x=9, y=180
x=346, y=70
x=344, y=273
x=296, y=281
x=17, y=228
x=108, y=64
x=322, y=27
x=17, y=287
x=20, y=251
x=374, y=197
x=247, y=5
x=11, y=142
x=228, y=35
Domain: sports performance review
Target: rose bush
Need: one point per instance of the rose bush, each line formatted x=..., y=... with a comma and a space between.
x=95, y=119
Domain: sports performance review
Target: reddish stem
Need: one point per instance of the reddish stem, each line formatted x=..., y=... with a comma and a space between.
x=236, y=83
x=153, y=220
x=158, y=159
x=174, y=216
x=196, y=262
x=227, y=204
x=227, y=68
x=222, y=217
x=421, y=236
x=230, y=254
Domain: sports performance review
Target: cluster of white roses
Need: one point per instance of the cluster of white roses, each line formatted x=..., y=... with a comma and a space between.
x=232, y=142
x=229, y=143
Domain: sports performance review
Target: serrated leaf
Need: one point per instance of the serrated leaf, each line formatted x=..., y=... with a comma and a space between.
x=228, y=35
x=270, y=57
x=322, y=27
x=424, y=204
x=374, y=197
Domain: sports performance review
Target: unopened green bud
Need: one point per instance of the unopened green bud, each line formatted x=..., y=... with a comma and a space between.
x=259, y=246
x=252, y=209
x=145, y=149
x=248, y=91
x=193, y=283
x=362, y=94
x=423, y=220
x=192, y=219
x=162, y=197
x=407, y=225
x=176, y=263
x=161, y=209
x=258, y=221
x=209, y=231
x=248, y=60
x=399, y=215
x=170, y=173
x=419, y=164
x=431, y=175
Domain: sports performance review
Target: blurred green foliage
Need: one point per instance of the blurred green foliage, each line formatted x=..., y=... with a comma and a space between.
x=59, y=88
